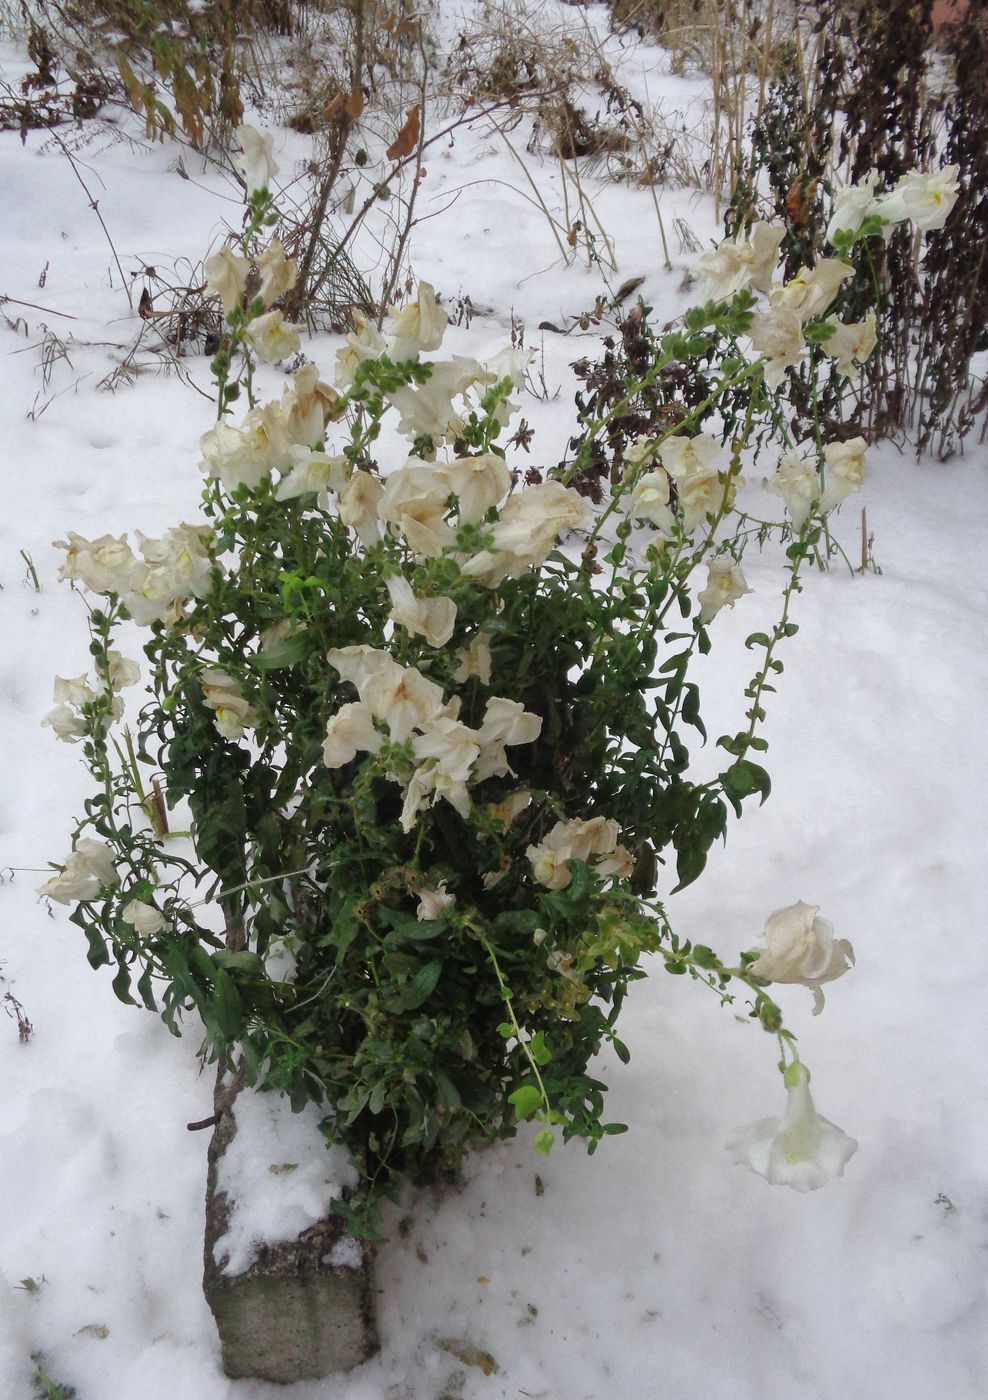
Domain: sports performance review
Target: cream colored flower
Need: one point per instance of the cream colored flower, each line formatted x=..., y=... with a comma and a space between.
x=402, y=698
x=418, y=326
x=105, y=565
x=845, y=470
x=179, y=565
x=349, y=732
x=801, y=948
x=66, y=723
x=478, y=483
x=742, y=261
x=245, y=456
x=474, y=659
x=550, y=865
x=144, y=918
x=797, y=481
x=778, y=335
x=452, y=746
x=88, y=870
x=725, y=585
x=361, y=664
x=703, y=494
x=221, y=694
x=420, y=788
x=683, y=457
x=431, y=618
x=278, y=273
x=364, y=343
x=851, y=341
x=272, y=337
x=852, y=206
x=527, y=530
x=579, y=840
x=415, y=502
x=305, y=407
x=358, y=506
x=256, y=159
x=801, y=1150
x=433, y=903
x=809, y=292
x=226, y=276
x=312, y=473
x=123, y=671
x=925, y=199
x=650, y=501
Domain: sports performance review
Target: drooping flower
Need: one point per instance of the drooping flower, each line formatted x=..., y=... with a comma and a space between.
x=778, y=335
x=432, y=903
x=245, y=456
x=477, y=483
x=801, y=1150
x=924, y=198
x=105, y=565
x=527, y=530
x=144, y=918
x=415, y=502
x=305, y=407
x=809, y=292
x=579, y=840
x=226, y=276
x=431, y=618
x=845, y=470
x=363, y=343
x=88, y=870
x=358, y=506
x=683, y=457
x=256, y=159
x=703, y=494
x=801, y=948
x=742, y=261
x=725, y=585
x=650, y=501
x=474, y=659
x=402, y=698
x=233, y=714
x=797, y=481
x=312, y=473
x=853, y=340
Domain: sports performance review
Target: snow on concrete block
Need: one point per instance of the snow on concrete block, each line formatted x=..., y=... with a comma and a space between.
x=290, y=1289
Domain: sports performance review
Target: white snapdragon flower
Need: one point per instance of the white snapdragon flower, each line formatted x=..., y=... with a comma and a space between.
x=105, y=565
x=802, y=948
x=809, y=292
x=475, y=659
x=245, y=456
x=123, y=671
x=925, y=199
x=801, y=1150
x=144, y=918
x=527, y=530
x=418, y=326
x=88, y=870
x=349, y=732
x=683, y=457
x=415, y=501
x=312, y=473
x=256, y=159
x=278, y=273
x=579, y=840
x=179, y=565
x=852, y=206
x=853, y=340
x=478, y=483
x=66, y=723
x=742, y=261
x=358, y=507
x=272, y=337
x=778, y=335
x=797, y=481
x=400, y=696
x=453, y=747
x=725, y=585
x=703, y=494
x=650, y=501
x=363, y=343
x=305, y=407
x=233, y=714
x=845, y=470
x=226, y=277
x=506, y=722
x=432, y=903
x=431, y=618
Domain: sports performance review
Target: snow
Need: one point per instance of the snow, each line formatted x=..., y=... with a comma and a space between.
x=655, y=1268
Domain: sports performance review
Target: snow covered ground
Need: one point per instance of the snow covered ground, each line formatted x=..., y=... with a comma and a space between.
x=655, y=1268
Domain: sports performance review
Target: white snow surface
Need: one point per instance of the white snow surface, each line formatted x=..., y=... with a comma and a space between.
x=278, y=1177
x=654, y=1268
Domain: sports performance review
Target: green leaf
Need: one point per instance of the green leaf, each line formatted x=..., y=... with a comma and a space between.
x=543, y=1142
x=538, y=1049
x=286, y=653
x=526, y=1100
x=418, y=989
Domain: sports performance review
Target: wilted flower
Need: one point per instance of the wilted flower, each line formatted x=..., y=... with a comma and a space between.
x=801, y=1150
x=106, y=565
x=852, y=206
x=477, y=483
x=925, y=199
x=432, y=903
x=364, y=343
x=431, y=618
x=683, y=457
x=742, y=261
x=650, y=501
x=703, y=494
x=579, y=840
x=358, y=506
x=474, y=659
x=245, y=456
x=725, y=585
x=312, y=473
x=415, y=501
x=778, y=335
x=526, y=532
x=305, y=406
x=256, y=159
x=811, y=291
x=226, y=275
x=88, y=870
x=418, y=326
x=66, y=723
x=801, y=948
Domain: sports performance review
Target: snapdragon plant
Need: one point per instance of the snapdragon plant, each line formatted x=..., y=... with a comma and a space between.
x=428, y=727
